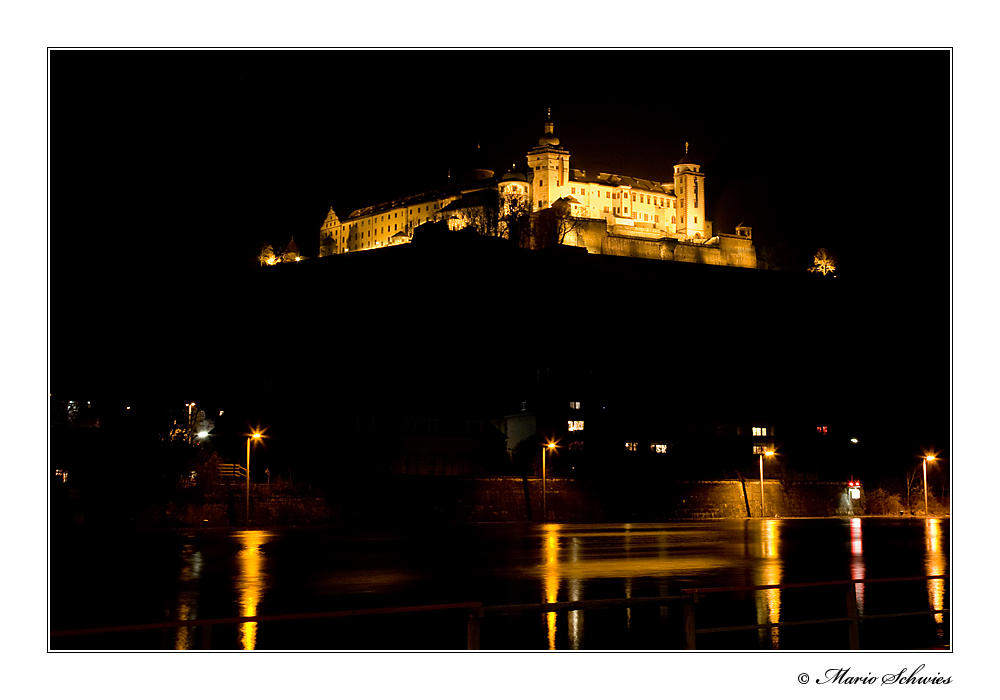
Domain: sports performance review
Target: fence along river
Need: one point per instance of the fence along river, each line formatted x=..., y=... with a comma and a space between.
x=161, y=577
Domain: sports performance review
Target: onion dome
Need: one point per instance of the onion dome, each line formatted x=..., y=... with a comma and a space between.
x=548, y=138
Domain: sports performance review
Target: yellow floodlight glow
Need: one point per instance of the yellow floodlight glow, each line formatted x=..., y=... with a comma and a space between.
x=257, y=436
x=931, y=458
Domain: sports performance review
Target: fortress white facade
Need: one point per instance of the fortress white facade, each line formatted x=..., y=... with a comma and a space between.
x=611, y=214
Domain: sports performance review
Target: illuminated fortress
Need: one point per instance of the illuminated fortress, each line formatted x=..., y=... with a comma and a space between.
x=605, y=213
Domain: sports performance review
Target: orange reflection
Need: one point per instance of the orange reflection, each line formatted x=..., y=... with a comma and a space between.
x=574, y=619
x=551, y=578
x=250, y=582
x=187, y=599
x=769, y=574
x=934, y=565
x=857, y=563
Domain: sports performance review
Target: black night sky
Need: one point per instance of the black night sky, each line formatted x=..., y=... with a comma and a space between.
x=170, y=168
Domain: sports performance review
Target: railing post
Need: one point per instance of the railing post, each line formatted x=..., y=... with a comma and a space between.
x=206, y=636
x=853, y=624
x=473, y=627
x=689, y=628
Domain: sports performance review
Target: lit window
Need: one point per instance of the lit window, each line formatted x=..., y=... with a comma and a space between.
x=572, y=190
x=759, y=431
x=696, y=219
x=574, y=404
x=659, y=448
x=641, y=200
x=758, y=449
x=645, y=217
x=631, y=446
x=656, y=219
x=575, y=425
x=673, y=219
x=821, y=429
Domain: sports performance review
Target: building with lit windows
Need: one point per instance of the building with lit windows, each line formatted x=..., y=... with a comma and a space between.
x=605, y=213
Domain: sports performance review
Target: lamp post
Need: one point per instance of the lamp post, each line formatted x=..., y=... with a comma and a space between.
x=762, y=481
x=255, y=436
x=545, y=513
x=928, y=458
x=189, y=428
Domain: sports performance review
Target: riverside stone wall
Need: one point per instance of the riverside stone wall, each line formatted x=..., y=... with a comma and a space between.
x=514, y=499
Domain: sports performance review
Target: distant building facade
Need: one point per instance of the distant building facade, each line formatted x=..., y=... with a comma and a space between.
x=605, y=213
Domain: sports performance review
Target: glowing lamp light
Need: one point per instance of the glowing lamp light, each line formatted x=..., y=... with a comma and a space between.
x=854, y=440
x=203, y=434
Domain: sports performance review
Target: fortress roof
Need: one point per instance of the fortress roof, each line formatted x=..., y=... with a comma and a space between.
x=617, y=181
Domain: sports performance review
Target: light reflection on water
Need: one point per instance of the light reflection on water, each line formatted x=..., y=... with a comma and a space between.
x=570, y=562
x=769, y=574
x=567, y=566
x=858, y=563
x=935, y=566
x=187, y=598
x=251, y=580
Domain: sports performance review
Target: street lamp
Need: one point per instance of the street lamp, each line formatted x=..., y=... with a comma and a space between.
x=927, y=458
x=762, y=481
x=255, y=436
x=550, y=446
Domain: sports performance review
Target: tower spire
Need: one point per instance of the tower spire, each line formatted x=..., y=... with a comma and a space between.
x=685, y=148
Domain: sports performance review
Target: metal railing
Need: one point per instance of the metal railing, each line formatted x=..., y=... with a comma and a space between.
x=477, y=612
x=853, y=618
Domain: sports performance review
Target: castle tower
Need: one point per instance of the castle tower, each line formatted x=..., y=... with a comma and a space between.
x=689, y=188
x=549, y=166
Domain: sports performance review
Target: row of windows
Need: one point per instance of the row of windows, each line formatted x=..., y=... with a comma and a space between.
x=655, y=447
x=643, y=198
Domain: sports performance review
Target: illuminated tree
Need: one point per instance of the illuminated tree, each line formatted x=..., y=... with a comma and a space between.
x=553, y=225
x=823, y=262
x=266, y=255
x=515, y=217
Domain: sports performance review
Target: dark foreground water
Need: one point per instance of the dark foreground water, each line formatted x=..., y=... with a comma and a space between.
x=99, y=581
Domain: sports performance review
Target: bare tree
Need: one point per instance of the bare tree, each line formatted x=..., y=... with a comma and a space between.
x=823, y=262
x=552, y=226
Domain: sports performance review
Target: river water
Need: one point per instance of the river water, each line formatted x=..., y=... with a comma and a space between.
x=100, y=581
